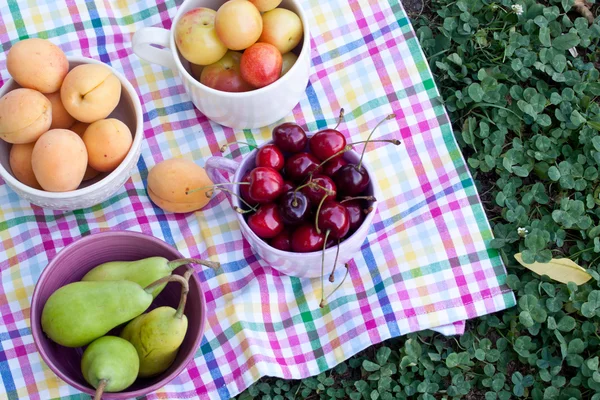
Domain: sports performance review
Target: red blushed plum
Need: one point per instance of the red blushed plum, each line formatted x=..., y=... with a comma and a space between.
x=261, y=64
x=225, y=74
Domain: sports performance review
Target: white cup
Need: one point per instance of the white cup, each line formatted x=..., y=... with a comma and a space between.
x=246, y=110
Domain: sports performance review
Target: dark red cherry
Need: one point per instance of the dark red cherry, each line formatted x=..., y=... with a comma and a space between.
x=245, y=190
x=332, y=166
x=326, y=143
x=315, y=193
x=334, y=218
x=265, y=184
x=351, y=180
x=306, y=239
x=287, y=186
x=293, y=207
x=355, y=213
x=299, y=166
x=282, y=241
x=266, y=222
x=270, y=156
x=290, y=137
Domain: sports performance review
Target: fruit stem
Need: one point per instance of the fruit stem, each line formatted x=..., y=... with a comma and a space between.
x=165, y=279
x=346, y=148
x=100, y=389
x=184, y=293
x=317, y=214
x=367, y=210
x=323, y=270
x=182, y=261
x=337, y=287
x=237, y=209
x=393, y=141
x=216, y=185
x=226, y=145
x=340, y=118
x=368, y=198
x=391, y=116
x=337, y=253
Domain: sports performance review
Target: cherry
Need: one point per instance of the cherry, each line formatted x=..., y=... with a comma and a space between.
x=299, y=166
x=333, y=217
x=326, y=143
x=282, y=241
x=245, y=190
x=293, y=207
x=266, y=222
x=355, y=213
x=306, y=239
x=332, y=166
x=270, y=156
x=290, y=137
x=265, y=184
x=315, y=191
x=287, y=186
x=351, y=179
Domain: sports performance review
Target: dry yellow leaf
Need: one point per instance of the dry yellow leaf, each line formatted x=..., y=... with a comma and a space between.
x=559, y=269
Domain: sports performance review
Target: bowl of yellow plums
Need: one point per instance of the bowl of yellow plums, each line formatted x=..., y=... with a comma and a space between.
x=118, y=315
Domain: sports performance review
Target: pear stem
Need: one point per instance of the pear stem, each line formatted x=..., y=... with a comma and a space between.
x=170, y=278
x=178, y=263
x=100, y=389
x=337, y=253
x=369, y=138
x=184, y=293
x=323, y=270
x=340, y=118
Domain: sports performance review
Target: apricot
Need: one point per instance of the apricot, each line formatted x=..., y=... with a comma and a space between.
x=20, y=164
x=61, y=119
x=59, y=160
x=170, y=181
x=24, y=115
x=37, y=64
x=107, y=142
x=90, y=92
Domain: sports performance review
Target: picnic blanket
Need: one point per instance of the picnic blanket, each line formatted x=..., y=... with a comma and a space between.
x=426, y=262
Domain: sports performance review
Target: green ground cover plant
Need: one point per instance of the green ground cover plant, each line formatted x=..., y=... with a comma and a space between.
x=521, y=84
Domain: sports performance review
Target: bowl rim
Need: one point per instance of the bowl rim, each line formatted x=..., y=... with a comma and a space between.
x=362, y=229
x=35, y=317
x=137, y=142
x=306, y=48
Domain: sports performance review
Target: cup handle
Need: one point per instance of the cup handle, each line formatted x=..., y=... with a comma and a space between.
x=144, y=42
x=215, y=165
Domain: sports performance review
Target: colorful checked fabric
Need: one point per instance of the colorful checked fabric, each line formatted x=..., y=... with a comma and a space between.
x=426, y=262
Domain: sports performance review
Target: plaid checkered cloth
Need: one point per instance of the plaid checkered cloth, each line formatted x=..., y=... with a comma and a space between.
x=426, y=262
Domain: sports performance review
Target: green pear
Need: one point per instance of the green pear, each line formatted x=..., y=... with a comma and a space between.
x=143, y=272
x=158, y=334
x=80, y=312
x=110, y=364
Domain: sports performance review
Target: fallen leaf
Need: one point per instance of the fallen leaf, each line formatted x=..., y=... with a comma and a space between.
x=559, y=269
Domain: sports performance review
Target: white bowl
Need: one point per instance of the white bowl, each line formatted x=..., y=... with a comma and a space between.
x=94, y=191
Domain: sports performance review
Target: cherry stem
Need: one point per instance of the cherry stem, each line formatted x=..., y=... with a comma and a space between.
x=323, y=270
x=337, y=287
x=216, y=185
x=368, y=198
x=184, y=293
x=393, y=141
x=368, y=210
x=337, y=253
x=100, y=389
x=238, y=209
x=346, y=148
x=391, y=116
x=226, y=145
x=340, y=118
x=317, y=214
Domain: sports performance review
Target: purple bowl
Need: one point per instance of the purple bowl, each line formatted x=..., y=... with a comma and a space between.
x=72, y=263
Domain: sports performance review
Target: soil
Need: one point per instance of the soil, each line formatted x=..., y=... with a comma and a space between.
x=414, y=8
